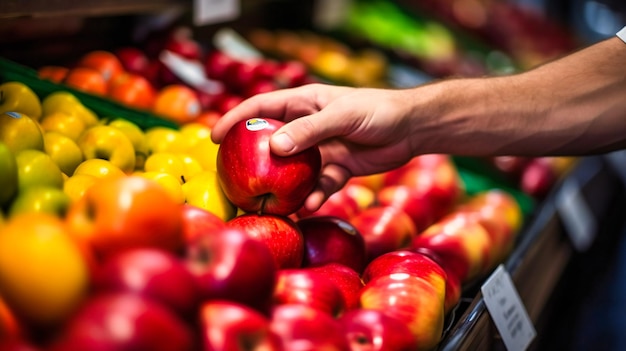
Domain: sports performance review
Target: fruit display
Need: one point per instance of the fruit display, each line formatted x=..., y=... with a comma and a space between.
x=188, y=245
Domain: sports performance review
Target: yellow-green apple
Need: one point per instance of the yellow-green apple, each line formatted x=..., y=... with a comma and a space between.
x=18, y=97
x=168, y=181
x=64, y=123
x=229, y=264
x=47, y=199
x=279, y=233
x=255, y=179
x=117, y=214
x=20, y=132
x=339, y=204
x=411, y=201
x=8, y=175
x=99, y=169
x=36, y=168
x=417, y=264
x=124, y=321
x=308, y=287
x=66, y=102
x=231, y=326
x=384, y=229
x=165, y=139
x=410, y=299
x=435, y=176
x=330, y=239
x=33, y=291
x=459, y=243
x=153, y=273
x=347, y=280
x=198, y=221
x=374, y=330
x=76, y=185
x=109, y=143
x=63, y=151
x=136, y=136
x=203, y=190
x=302, y=327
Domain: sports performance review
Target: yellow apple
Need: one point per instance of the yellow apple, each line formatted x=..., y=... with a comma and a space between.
x=195, y=132
x=46, y=199
x=8, y=175
x=18, y=97
x=64, y=123
x=76, y=185
x=63, y=101
x=98, y=168
x=162, y=139
x=205, y=152
x=36, y=168
x=108, y=143
x=20, y=132
x=203, y=190
x=136, y=136
x=169, y=182
x=63, y=151
x=181, y=166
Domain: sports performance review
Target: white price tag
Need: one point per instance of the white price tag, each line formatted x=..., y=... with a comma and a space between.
x=215, y=11
x=580, y=223
x=234, y=45
x=507, y=311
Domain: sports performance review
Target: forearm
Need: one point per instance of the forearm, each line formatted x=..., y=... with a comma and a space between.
x=575, y=105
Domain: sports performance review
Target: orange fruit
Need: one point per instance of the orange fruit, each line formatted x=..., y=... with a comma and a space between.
x=53, y=73
x=178, y=103
x=104, y=62
x=86, y=79
x=132, y=90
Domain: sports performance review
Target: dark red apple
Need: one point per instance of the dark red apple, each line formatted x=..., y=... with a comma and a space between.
x=185, y=47
x=255, y=179
x=217, y=63
x=230, y=326
x=281, y=235
x=346, y=278
x=230, y=264
x=152, y=273
x=538, y=177
x=373, y=330
x=259, y=87
x=133, y=59
x=329, y=239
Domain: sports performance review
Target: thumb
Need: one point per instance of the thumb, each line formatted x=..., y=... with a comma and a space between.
x=302, y=133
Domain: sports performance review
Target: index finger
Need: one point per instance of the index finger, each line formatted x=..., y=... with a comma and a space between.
x=286, y=105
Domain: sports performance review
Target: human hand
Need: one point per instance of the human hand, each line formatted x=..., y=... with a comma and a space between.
x=359, y=131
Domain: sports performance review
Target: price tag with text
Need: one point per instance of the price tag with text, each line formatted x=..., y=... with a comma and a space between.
x=215, y=11
x=507, y=311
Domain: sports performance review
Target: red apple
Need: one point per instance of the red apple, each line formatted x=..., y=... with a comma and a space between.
x=303, y=328
x=255, y=179
x=538, y=177
x=411, y=201
x=217, y=63
x=199, y=221
x=227, y=102
x=230, y=326
x=308, y=287
x=124, y=321
x=373, y=330
x=151, y=273
x=340, y=204
x=18, y=345
x=133, y=59
x=346, y=278
x=511, y=166
x=385, y=229
x=329, y=239
x=185, y=47
x=259, y=87
x=410, y=299
x=281, y=235
x=230, y=264
x=291, y=74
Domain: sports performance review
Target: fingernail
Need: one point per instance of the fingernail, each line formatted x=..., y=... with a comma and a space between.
x=283, y=142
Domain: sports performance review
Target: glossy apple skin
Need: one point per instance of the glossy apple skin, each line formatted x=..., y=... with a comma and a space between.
x=307, y=287
x=280, y=234
x=340, y=204
x=302, y=327
x=230, y=264
x=385, y=229
x=230, y=326
x=152, y=273
x=346, y=278
x=199, y=221
x=411, y=201
x=116, y=214
x=410, y=299
x=140, y=324
x=255, y=179
x=373, y=330
x=329, y=239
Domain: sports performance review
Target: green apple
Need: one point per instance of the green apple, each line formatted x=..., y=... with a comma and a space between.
x=20, y=132
x=8, y=175
x=36, y=168
x=63, y=151
x=136, y=136
x=18, y=97
x=64, y=123
x=47, y=199
x=108, y=143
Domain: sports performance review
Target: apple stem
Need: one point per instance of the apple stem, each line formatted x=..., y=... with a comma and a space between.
x=262, y=204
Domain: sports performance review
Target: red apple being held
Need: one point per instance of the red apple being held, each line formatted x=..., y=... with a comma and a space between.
x=230, y=326
x=329, y=239
x=281, y=235
x=308, y=287
x=346, y=278
x=373, y=330
x=230, y=264
x=255, y=179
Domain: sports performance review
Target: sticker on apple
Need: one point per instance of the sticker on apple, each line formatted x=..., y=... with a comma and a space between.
x=256, y=124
